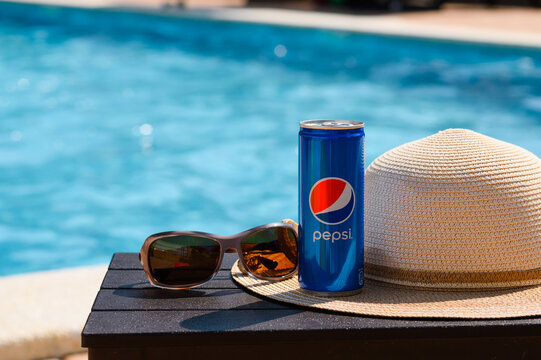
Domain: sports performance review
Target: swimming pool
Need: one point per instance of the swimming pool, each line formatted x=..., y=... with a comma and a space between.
x=117, y=125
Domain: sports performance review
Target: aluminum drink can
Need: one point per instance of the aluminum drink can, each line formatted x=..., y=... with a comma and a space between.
x=331, y=207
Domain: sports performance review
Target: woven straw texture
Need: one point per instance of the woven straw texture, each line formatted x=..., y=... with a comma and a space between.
x=454, y=210
x=452, y=230
x=379, y=299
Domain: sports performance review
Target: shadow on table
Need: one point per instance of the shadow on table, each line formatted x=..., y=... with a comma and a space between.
x=137, y=285
x=231, y=320
x=155, y=293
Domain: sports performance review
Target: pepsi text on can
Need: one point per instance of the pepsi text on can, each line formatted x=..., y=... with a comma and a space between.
x=335, y=236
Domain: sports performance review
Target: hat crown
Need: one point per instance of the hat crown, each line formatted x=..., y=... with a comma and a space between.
x=454, y=210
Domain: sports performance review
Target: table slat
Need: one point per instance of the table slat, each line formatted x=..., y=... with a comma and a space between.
x=128, y=328
x=193, y=299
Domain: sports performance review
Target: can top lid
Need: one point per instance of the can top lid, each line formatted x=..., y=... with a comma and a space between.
x=332, y=124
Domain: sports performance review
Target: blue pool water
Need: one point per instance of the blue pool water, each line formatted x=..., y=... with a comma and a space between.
x=114, y=125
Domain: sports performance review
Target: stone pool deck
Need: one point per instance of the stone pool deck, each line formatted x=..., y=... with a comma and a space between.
x=42, y=314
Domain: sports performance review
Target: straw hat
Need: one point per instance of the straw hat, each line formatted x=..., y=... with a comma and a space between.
x=452, y=230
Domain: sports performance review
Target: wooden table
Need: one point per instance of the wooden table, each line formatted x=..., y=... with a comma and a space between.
x=130, y=319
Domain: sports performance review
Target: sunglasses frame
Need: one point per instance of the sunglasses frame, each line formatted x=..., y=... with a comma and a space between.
x=228, y=243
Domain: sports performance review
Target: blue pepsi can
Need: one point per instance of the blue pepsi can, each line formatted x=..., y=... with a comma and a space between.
x=331, y=207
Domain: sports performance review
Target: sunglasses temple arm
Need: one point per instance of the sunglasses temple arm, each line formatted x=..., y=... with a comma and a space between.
x=289, y=221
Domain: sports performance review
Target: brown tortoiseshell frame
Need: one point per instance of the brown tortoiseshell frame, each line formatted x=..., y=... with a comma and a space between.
x=228, y=243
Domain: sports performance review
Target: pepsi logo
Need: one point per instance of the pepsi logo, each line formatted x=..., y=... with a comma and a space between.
x=332, y=200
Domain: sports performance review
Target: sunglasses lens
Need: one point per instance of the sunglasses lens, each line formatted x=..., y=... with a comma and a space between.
x=183, y=260
x=270, y=252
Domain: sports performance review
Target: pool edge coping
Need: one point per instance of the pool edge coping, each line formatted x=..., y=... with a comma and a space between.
x=366, y=24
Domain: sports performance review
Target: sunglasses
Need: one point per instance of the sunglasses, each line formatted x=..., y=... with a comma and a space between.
x=184, y=259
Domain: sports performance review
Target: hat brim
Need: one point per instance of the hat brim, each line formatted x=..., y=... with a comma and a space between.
x=381, y=299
